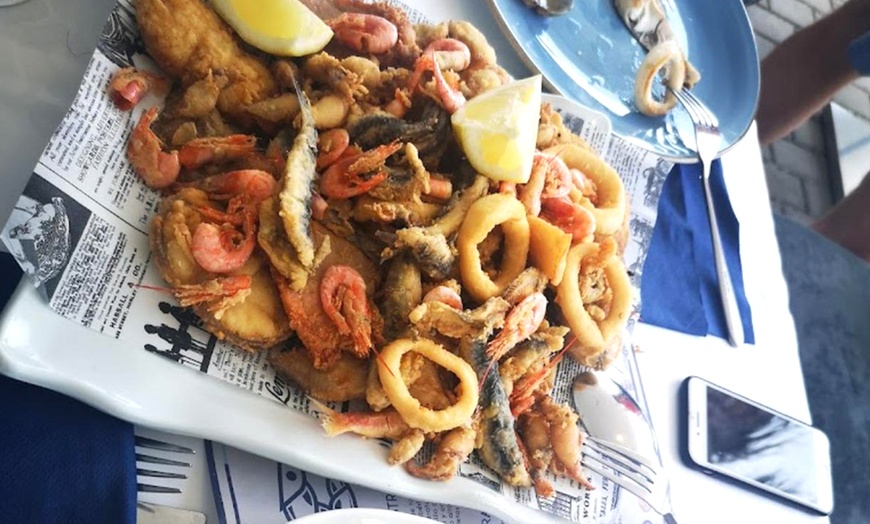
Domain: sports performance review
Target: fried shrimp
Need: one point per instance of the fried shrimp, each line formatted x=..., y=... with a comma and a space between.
x=221, y=249
x=304, y=306
x=321, y=209
x=365, y=33
x=343, y=299
x=157, y=168
x=128, y=86
x=610, y=205
x=405, y=50
x=252, y=320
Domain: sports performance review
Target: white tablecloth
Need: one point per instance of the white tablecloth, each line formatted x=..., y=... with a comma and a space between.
x=47, y=45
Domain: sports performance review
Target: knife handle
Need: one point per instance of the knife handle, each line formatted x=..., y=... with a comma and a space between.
x=726, y=288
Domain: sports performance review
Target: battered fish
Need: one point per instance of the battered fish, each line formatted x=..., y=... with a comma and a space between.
x=307, y=317
x=295, y=195
x=346, y=380
x=189, y=41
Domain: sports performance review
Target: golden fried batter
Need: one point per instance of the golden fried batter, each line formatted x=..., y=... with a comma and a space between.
x=304, y=308
x=346, y=380
x=188, y=41
x=253, y=321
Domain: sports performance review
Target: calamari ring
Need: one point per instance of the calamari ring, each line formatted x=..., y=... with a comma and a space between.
x=593, y=338
x=409, y=407
x=482, y=217
x=610, y=210
x=666, y=53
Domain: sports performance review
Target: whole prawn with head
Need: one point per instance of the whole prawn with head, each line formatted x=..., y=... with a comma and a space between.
x=445, y=53
x=343, y=298
x=157, y=168
x=365, y=33
x=222, y=249
x=520, y=323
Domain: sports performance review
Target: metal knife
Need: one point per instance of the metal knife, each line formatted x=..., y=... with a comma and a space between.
x=156, y=514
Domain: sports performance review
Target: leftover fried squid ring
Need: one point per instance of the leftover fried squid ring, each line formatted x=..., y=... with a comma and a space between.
x=664, y=54
x=593, y=337
x=609, y=209
x=409, y=407
x=482, y=217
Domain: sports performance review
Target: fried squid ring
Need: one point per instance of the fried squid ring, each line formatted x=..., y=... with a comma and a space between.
x=610, y=207
x=664, y=54
x=409, y=407
x=482, y=217
x=593, y=338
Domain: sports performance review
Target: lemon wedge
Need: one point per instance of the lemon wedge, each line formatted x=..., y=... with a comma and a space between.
x=280, y=27
x=498, y=130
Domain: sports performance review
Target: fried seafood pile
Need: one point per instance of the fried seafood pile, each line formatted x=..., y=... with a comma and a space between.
x=319, y=208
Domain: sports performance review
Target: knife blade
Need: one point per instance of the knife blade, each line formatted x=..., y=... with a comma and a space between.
x=156, y=514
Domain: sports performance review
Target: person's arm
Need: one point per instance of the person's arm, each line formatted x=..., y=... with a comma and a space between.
x=802, y=74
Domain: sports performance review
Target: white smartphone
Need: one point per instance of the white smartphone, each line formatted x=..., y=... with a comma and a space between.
x=734, y=437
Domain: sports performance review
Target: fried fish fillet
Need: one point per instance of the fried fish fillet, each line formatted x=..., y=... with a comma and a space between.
x=345, y=380
x=188, y=40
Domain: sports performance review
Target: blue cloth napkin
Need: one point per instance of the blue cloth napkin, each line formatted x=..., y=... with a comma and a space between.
x=679, y=287
x=61, y=461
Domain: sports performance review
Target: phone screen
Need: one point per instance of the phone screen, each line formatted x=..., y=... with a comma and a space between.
x=752, y=443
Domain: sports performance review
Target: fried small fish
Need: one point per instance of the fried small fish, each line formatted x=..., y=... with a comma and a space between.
x=296, y=184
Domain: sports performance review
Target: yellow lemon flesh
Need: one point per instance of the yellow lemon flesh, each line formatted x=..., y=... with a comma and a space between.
x=498, y=130
x=280, y=27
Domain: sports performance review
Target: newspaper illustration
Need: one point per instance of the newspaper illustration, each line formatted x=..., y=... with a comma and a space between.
x=80, y=232
x=255, y=489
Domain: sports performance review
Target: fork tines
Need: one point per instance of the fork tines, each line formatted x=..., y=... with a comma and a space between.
x=141, y=458
x=624, y=468
x=698, y=112
x=150, y=443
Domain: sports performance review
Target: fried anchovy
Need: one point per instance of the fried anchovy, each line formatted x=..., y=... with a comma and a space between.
x=296, y=184
x=401, y=292
x=455, y=323
x=429, y=245
x=499, y=450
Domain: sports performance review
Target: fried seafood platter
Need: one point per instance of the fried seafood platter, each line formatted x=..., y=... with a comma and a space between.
x=324, y=208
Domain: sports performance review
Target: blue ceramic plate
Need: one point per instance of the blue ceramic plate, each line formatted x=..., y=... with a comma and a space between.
x=590, y=56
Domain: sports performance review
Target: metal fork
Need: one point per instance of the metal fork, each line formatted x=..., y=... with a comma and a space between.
x=707, y=142
x=142, y=458
x=629, y=470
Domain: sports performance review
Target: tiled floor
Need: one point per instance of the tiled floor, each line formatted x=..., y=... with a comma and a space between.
x=797, y=175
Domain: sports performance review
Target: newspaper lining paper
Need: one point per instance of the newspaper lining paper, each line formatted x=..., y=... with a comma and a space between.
x=80, y=232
